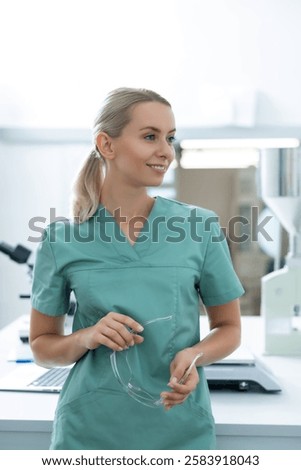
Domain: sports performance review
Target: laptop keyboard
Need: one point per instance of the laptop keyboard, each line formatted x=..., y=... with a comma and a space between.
x=52, y=378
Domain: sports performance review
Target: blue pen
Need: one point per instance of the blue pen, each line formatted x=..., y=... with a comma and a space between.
x=23, y=361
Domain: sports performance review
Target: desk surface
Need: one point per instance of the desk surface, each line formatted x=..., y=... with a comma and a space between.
x=244, y=420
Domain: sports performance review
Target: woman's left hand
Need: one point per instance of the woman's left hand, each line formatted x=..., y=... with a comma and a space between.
x=178, y=367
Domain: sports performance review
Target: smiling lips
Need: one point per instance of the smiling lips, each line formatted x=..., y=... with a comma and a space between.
x=159, y=168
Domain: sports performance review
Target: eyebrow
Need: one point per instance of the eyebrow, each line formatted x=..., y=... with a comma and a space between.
x=155, y=129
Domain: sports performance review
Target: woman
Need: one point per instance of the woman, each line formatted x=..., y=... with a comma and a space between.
x=138, y=269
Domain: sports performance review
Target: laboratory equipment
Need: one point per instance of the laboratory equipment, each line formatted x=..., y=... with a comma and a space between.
x=19, y=254
x=280, y=188
x=241, y=371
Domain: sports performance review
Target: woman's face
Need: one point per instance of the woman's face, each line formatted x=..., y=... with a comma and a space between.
x=144, y=150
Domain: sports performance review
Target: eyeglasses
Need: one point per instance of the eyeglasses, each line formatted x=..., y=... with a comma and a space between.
x=127, y=366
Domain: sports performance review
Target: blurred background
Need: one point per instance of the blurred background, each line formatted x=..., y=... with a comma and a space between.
x=229, y=68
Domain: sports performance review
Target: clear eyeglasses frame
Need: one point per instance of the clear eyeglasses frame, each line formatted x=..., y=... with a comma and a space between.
x=123, y=369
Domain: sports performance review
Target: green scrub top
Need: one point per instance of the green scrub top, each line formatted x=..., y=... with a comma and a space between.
x=179, y=257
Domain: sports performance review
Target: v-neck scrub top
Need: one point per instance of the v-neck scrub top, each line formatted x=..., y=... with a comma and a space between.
x=179, y=257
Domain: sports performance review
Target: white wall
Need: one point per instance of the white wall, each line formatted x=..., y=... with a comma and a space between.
x=236, y=47
x=58, y=59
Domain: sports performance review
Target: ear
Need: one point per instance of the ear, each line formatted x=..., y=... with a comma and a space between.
x=104, y=144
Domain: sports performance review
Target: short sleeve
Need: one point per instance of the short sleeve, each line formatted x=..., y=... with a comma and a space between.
x=219, y=283
x=50, y=293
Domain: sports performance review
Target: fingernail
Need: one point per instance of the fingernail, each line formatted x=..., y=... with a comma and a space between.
x=172, y=382
x=140, y=328
x=132, y=343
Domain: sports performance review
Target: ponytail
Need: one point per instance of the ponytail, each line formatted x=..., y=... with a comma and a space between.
x=87, y=187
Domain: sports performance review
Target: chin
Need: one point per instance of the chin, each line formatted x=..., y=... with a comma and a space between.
x=154, y=185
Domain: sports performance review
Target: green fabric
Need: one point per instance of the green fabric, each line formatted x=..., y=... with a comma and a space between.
x=165, y=273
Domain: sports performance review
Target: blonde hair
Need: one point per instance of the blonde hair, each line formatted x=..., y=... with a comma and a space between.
x=112, y=117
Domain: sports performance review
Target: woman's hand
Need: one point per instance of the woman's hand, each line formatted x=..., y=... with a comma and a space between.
x=222, y=340
x=180, y=391
x=52, y=348
x=114, y=330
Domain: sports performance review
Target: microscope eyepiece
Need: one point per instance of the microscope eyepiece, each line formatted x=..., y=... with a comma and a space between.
x=19, y=254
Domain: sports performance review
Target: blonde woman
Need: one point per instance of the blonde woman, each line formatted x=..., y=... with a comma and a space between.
x=138, y=267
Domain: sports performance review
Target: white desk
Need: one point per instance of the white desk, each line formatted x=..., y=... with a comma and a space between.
x=244, y=420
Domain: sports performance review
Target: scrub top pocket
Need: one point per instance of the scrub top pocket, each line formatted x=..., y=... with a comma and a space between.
x=106, y=419
x=136, y=291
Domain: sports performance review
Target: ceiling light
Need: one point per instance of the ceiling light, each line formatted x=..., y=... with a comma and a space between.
x=193, y=144
x=219, y=158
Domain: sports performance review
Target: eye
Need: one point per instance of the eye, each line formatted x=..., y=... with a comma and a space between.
x=171, y=139
x=150, y=137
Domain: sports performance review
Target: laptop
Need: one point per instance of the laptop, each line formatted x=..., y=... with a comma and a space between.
x=27, y=376
x=33, y=378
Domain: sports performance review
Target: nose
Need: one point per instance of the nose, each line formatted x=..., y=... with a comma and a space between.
x=166, y=150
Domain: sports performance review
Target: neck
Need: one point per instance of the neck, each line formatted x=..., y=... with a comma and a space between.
x=130, y=202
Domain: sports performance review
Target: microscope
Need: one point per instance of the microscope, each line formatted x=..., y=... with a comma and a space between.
x=280, y=188
x=20, y=255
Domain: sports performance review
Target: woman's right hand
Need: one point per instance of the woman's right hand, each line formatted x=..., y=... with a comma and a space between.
x=52, y=348
x=114, y=330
